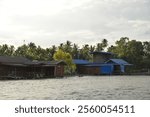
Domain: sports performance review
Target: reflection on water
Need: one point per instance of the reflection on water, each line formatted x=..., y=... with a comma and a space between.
x=87, y=87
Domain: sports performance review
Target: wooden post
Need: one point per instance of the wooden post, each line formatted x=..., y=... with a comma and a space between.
x=15, y=72
x=55, y=71
x=148, y=71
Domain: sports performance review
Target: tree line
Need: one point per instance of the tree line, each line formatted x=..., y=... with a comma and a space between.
x=34, y=52
x=133, y=51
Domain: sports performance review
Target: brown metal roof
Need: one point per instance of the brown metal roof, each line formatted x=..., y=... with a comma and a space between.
x=9, y=60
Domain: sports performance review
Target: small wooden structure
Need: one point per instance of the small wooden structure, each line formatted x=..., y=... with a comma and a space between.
x=23, y=68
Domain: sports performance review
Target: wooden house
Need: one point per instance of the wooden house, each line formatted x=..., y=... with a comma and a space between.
x=103, y=63
x=23, y=68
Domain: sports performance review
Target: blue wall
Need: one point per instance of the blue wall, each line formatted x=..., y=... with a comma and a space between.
x=106, y=69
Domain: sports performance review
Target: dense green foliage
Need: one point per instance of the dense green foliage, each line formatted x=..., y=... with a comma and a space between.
x=135, y=52
x=61, y=55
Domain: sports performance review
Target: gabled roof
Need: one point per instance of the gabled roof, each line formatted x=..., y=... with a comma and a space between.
x=80, y=61
x=106, y=53
x=118, y=61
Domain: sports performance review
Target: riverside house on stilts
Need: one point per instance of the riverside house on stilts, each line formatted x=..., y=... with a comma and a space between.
x=23, y=68
x=103, y=64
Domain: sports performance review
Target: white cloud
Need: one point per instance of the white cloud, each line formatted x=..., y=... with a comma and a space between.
x=48, y=22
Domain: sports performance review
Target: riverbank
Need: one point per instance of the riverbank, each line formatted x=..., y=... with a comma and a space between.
x=75, y=75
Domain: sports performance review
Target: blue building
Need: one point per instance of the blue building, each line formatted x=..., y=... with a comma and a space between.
x=103, y=63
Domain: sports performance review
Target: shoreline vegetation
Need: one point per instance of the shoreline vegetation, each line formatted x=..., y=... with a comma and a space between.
x=133, y=51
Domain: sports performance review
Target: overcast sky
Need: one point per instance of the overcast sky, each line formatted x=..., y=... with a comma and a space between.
x=51, y=22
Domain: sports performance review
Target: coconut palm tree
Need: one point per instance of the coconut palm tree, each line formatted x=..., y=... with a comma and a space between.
x=75, y=51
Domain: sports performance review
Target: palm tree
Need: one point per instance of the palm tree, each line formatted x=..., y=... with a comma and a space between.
x=85, y=52
x=99, y=47
x=92, y=48
x=32, y=45
x=11, y=50
x=104, y=43
x=4, y=49
x=22, y=51
x=52, y=51
x=68, y=47
x=75, y=51
x=61, y=46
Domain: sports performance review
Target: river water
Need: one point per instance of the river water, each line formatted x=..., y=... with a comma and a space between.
x=80, y=88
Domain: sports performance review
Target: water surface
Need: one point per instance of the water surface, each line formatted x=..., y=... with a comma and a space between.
x=86, y=88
